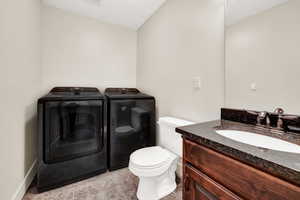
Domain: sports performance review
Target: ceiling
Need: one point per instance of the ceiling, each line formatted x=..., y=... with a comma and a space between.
x=129, y=13
x=236, y=10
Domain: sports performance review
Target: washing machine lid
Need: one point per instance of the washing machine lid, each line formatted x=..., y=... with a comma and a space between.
x=150, y=157
x=72, y=93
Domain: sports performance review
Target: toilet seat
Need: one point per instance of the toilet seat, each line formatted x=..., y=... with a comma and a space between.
x=150, y=157
x=150, y=161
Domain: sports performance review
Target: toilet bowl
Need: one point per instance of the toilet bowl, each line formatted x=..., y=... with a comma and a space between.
x=155, y=167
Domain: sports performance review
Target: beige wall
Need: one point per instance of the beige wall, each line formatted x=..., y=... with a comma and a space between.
x=79, y=51
x=265, y=49
x=19, y=86
x=183, y=40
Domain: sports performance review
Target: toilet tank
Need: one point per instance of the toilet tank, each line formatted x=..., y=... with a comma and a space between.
x=167, y=137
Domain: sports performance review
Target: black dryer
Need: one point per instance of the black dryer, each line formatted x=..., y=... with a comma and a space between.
x=131, y=124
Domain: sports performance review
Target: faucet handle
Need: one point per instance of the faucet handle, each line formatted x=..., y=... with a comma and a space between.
x=279, y=111
x=281, y=118
x=279, y=122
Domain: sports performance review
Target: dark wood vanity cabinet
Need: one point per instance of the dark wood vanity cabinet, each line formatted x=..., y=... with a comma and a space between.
x=209, y=175
x=199, y=186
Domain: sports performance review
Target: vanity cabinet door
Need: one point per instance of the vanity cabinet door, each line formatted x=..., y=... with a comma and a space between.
x=198, y=186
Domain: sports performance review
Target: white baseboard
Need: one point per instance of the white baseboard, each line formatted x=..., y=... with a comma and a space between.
x=22, y=188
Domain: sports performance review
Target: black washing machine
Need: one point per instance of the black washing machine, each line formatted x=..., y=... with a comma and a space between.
x=72, y=142
x=131, y=124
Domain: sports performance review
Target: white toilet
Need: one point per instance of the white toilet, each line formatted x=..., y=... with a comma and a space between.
x=156, y=166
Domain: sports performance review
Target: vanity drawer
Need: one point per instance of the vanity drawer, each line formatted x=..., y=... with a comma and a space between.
x=244, y=180
x=198, y=186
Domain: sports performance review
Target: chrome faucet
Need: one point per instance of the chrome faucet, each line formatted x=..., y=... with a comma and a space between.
x=263, y=115
x=260, y=117
x=281, y=118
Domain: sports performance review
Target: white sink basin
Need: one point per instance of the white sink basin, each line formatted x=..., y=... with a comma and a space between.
x=260, y=140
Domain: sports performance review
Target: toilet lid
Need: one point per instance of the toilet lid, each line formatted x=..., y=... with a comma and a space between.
x=150, y=156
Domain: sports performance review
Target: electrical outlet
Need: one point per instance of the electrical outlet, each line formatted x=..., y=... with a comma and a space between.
x=253, y=86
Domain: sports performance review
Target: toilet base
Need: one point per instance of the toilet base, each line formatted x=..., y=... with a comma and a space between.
x=146, y=188
x=155, y=188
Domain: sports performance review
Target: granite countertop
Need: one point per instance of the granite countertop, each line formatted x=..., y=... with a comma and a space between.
x=281, y=164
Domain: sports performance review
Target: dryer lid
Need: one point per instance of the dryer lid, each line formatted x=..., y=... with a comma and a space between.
x=125, y=93
x=150, y=157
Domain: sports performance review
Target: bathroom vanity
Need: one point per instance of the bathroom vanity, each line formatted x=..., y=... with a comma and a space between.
x=216, y=167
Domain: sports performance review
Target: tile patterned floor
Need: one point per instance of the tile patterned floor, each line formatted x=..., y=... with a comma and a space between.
x=116, y=185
